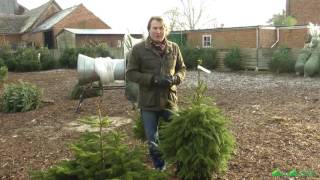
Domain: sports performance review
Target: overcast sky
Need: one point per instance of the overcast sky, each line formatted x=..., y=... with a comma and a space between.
x=134, y=14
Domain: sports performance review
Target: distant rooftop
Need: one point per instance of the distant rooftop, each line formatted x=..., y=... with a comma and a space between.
x=99, y=31
x=49, y=23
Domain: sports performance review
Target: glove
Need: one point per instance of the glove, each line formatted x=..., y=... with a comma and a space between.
x=162, y=81
x=175, y=80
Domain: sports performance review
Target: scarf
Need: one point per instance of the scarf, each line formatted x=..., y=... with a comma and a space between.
x=159, y=46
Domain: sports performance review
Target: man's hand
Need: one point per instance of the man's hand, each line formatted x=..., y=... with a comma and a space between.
x=175, y=80
x=162, y=81
x=165, y=80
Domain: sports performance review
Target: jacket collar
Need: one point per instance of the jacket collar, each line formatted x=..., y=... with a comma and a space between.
x=169, y=47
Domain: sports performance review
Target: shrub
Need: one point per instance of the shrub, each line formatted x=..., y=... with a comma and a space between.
x=46, y=59
x=99, y=155
x=69, y=58
x=233, y=59
x=87, y=91
x=11, y=63
x=312, y=66
x=281, y=61
x=2, y=62
x=87, y=50
x=209, y=58
x=303, y=57
x=191, y=55
x=138, y=129
x=7, y=56
x=21, y=97
x=95, y=50
x=198, y=139
x=27, y=60
x=101, y=50
x=3, y=73
x=5, y=50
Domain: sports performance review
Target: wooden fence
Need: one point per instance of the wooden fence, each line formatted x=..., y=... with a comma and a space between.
x=252, y=58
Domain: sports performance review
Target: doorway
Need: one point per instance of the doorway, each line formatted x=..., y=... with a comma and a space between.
x=48, y=39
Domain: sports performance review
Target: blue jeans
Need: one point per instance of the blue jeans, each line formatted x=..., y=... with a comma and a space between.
x=150, y=122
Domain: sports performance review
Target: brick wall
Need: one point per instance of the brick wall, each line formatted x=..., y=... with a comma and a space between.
x=304, y=11
x=82, y=18
x=247, y=37
x=13, y=39
x=293, y=38
x=267, y=37
x=225, y=38
x=36, y=38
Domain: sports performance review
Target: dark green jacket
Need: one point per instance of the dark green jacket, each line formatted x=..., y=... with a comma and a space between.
x=146, y=62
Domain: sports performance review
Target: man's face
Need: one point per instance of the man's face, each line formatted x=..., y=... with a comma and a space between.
x=157, y=31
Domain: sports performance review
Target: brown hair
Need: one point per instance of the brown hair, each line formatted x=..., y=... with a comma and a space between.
x=157, y=18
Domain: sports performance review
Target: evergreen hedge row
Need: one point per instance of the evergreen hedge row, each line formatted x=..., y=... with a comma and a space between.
x=191, y=55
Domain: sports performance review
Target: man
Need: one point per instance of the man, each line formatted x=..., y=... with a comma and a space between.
x=156, y=64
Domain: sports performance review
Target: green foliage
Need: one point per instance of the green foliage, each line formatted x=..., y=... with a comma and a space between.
x=95, y=50
x=6, y=55
x=99, y=155
x=5, y=50
x=209, y=58
x=198, y=138
x=233, y=59
x=303, y=57
x=21, y=97
x=46, y=59
x=3, y=74
x=191, y=55
x=138, y=128
x=2, y=62
x=312, y=66
x=282, y=19
x=11, y=63
x=87, y=90
x=27, y=60
x=281, y=61
x=101, y=50
x=3, y=71
x=69, y=56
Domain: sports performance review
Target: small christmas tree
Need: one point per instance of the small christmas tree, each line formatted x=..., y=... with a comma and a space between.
x=198, y=139
x=101, y=155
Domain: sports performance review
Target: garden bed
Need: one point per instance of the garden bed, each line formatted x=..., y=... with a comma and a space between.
x=275, y=120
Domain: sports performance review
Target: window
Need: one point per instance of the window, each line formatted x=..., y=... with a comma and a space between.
x=206, y=41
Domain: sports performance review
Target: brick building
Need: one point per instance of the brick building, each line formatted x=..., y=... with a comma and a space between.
x=40, y=26
x=246, y=37
x=304, y=11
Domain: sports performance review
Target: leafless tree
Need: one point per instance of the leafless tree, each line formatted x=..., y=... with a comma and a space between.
x=175, y=23
x=190, y=15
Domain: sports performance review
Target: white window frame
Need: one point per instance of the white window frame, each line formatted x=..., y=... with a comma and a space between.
x=205, y=43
